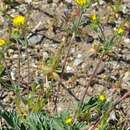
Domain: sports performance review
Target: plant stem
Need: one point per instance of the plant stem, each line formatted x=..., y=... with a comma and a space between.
x=102, y=32
x=70, y=43
x=19, y=60
x=7, y=70
x=67, y=54
x=65, y=59
x=28, y=65
x=90, y=80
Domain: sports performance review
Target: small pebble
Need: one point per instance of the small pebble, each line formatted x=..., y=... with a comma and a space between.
x=69, y=69
x=35, y=39
x=78, y=39
x=78, y=62
x=112, y=119
x=90, y=39
x=13, y=74
x=49, y=1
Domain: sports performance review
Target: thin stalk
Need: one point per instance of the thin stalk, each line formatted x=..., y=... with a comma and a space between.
x=102, y=32
x=87, y=86
x=67, y=54
x=7, y=70
x=66, y=57
x=19, y=60
x=28, y=60
x=90, y=80
x=28, y=65
x=70, y=44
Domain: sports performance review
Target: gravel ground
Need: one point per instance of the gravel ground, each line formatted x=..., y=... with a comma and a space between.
x=46, y=25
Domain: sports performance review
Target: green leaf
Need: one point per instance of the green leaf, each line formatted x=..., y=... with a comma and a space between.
x=80, y=126
x=94, y=26
x=75, y=26
x=12, y=119
x=90, y=104
x=58, y=124
x=1, y=55
x=1, y=69
x=38, y=121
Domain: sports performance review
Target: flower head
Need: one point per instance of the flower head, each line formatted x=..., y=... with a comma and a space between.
x=3, y=43
x=19, y=21
x=102, y=98
x=81, y=2
x=121, y=31
x=69, y=121
x=94, y=17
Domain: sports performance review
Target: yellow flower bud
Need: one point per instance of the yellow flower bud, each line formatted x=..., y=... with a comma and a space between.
x=94, y=17
x=121, y=31
x=102, y=98
x=16, y=33
x=81, y=2
x=19, y=21
x=69, y=121
x=3, y=43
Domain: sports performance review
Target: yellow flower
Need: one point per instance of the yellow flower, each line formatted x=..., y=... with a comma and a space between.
x=69, y=121
x=94, y=17
x=121, y=31
x=19, y=21
x=3, y=43
x=81, y=2
x=102, y=98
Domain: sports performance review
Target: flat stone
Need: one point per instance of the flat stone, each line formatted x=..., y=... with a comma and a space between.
x=35, y=39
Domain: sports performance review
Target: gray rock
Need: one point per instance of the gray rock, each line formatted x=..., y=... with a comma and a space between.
x=127, y=40
x=35, y=39
x=113, y=119
x=126, y=80
x=39, y=80
x=78, y=62
x=28, y=1
x=69, y=69
x=45, y=56
x=13, y=74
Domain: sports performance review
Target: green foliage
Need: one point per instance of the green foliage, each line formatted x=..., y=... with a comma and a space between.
x=1, y=65
x=1, y=55
x=8, y=1
x=34, y=101
x=52, y=68
x=38, y=121
x=1, y=69
x=92, y=110
x=43, y=121
x=12, y=120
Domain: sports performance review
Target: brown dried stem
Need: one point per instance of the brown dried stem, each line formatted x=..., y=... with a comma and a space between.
x=90, y=80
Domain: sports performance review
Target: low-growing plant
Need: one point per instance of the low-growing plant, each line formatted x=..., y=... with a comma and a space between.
x=39, y=121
